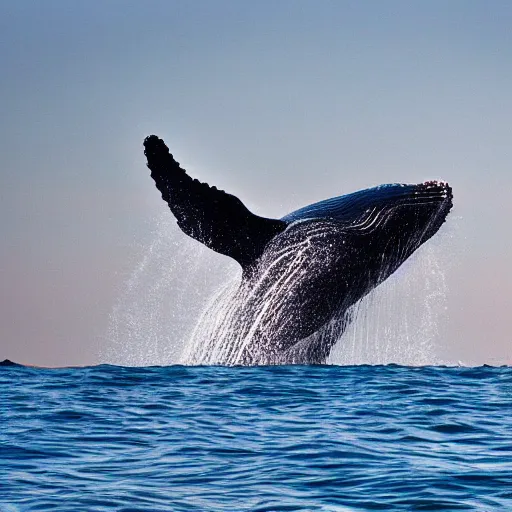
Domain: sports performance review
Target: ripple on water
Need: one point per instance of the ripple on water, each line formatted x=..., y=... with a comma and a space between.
x=259, y=439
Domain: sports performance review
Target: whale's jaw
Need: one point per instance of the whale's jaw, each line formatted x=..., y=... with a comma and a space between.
x=383, y=225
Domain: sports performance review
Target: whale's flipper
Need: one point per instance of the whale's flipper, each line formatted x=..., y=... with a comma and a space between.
x=217, y=219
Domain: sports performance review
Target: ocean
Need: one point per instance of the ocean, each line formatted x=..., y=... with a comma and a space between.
x=275, y=438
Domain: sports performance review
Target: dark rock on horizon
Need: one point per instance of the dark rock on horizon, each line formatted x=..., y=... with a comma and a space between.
x=8, y=362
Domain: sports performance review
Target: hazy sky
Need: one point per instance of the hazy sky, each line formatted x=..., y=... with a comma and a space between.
x=281, y=103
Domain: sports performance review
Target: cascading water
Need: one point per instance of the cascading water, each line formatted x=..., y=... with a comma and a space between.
x=398, y=322
x=163, y=297
x=395, y=323
x=164, y=315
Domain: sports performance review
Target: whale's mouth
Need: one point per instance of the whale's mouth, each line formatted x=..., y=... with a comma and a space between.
x=430, y=201
x=431, y=198
x=435, y=191
x=418, y=211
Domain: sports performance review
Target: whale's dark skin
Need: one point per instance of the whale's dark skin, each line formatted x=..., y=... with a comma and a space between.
x=313, y=263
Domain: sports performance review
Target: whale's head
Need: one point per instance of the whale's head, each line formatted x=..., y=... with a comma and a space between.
x=384, y=225
x=390, y=222
x=400, y=218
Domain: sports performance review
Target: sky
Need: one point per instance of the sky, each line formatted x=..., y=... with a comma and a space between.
x=280, y=103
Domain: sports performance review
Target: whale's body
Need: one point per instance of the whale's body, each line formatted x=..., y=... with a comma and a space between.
x=304, y=271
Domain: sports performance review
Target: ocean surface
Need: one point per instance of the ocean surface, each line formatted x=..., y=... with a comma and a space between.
x=283, y=438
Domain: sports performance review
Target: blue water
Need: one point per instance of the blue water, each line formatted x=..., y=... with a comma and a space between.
x=259, y=439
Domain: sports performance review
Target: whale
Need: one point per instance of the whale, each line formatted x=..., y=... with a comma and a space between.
x=303, y=273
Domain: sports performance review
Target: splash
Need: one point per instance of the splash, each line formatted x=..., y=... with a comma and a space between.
x=157, y=309
x=395, y=323
x=398, y=322
x=258, y=321
x=180, y=305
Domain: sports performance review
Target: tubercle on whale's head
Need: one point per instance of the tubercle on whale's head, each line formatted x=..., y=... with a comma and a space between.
x=436, y=196
x=441, y=188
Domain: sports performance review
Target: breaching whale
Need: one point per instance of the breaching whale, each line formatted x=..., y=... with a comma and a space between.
x=305, y=271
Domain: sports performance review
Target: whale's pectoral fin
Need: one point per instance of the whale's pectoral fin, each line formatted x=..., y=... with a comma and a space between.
x=217, y=219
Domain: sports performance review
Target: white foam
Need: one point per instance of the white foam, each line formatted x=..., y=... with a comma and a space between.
x=180, y=306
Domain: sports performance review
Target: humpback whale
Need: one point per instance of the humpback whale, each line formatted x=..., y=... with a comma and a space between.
x=301, y=274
